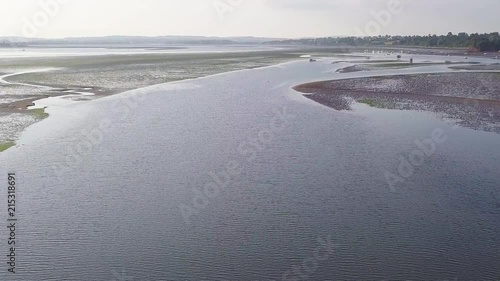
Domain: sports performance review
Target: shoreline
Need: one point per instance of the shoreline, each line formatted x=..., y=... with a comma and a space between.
x=60, y=78
x=22, y=105
x=88, y=93
x=470, y=98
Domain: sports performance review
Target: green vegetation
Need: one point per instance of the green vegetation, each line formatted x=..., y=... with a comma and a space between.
x=39, y=113
x=373, y=103
x=6, y=145
x=488, y=42
x=404, y=64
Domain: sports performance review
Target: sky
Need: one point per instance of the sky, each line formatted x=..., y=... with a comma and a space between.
x=262, y=18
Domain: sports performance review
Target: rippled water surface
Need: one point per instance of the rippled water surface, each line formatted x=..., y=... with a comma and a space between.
x=106, y=204
x=117, y=50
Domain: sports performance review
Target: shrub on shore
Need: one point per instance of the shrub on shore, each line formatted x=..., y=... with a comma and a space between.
x=6, y=145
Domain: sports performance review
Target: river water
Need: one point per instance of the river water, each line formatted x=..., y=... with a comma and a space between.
x=113, y=189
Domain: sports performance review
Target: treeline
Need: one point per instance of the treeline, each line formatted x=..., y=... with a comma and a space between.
x=487, y=42
x=6, y=44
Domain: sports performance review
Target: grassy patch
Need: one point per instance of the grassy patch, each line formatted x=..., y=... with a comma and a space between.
x=373, y=103
x=407, y=64
x=396, y=64
x=375, y=61
x=6, y=145
x=39, y=113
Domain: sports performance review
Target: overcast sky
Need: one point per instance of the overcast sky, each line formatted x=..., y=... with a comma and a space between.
x=266, y=18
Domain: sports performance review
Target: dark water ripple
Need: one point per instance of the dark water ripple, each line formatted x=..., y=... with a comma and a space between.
x=116, y=215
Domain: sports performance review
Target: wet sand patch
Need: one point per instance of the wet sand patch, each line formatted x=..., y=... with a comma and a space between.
x=472, y=99
x=377, y=65
x=28, y=79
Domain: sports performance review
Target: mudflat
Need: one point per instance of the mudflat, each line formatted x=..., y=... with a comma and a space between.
x=471, y=98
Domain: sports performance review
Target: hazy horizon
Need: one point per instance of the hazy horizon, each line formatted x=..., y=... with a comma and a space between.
x=208, y=146
x=242, y=18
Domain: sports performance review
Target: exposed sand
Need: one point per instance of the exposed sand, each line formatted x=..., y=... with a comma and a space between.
x=399, y=64
x=471, y=98
x=28, y=79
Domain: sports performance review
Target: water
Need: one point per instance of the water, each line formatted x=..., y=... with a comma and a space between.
x=30, y=52
x=112, y=210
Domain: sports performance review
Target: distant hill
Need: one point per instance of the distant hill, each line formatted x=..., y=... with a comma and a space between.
x=12, y=42
x=487, y=42
x=135, y=40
